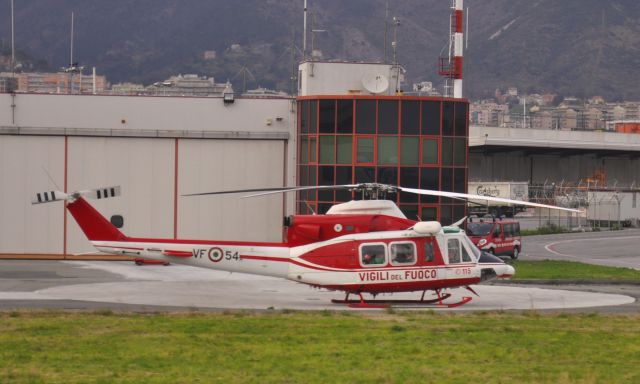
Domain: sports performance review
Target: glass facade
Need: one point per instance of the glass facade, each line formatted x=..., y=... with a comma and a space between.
x=417, y=142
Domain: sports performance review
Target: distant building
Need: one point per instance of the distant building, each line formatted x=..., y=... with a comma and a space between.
x=127, y=89
x=59, y=82
x=8, y=83
x=209, y=55
x=187, y=85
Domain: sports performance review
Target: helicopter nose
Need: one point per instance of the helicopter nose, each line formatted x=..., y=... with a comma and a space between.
x=505, y=271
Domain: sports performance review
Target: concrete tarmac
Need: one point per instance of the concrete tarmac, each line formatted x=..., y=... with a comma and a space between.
x=125, y=286
x=610, y=248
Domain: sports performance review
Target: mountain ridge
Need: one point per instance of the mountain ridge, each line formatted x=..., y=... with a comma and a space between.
x=579, y=48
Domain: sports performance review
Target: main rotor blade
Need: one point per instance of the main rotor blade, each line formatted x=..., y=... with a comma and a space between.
x=294, y=189
x=480, y=197
x=270, y=191
x=237, y=191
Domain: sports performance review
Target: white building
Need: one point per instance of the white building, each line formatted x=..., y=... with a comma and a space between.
x=157, y=149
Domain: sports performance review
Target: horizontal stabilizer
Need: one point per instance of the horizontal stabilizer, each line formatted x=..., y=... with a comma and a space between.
x=49, y=197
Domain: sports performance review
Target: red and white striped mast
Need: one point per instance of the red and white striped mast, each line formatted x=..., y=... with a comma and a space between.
x=458, y=48
x=451, y=66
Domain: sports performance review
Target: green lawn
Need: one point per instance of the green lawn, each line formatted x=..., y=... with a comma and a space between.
x=57, y=347
x=563, y=270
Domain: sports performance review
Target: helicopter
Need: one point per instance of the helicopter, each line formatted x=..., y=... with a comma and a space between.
x=358, y=247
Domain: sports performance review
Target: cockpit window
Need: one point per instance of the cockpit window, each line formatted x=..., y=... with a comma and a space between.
x=453, y=250
x=465, y=255
x=372, y=255
x=479, y=229
x=402, y=253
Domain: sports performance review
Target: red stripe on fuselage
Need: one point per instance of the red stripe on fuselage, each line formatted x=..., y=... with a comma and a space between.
x=207, y=242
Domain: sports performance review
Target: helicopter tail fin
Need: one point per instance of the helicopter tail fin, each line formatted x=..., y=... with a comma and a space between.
x=95, y=226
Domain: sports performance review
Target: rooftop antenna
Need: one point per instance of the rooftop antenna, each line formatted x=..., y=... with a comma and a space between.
x=313, y=33
x=394, y=45
x=13, y=47
x=71, y=55
x=304, y=33
x=386, y=28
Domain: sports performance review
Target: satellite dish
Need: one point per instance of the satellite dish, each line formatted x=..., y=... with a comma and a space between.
x=375, y=83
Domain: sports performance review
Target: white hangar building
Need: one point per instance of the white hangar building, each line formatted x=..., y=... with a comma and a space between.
x=157, y=149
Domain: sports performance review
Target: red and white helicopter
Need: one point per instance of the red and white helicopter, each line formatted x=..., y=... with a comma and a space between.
x=362, y=246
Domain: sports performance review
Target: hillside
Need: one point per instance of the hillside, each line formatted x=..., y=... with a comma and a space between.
x=576, y=47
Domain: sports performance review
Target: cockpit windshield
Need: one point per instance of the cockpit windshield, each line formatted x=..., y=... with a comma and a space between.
x=479, y=229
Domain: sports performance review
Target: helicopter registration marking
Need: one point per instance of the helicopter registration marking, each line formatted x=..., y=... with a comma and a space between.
x=216, y=254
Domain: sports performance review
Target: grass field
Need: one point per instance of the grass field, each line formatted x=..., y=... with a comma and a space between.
x=568, y=270
x=325, y=347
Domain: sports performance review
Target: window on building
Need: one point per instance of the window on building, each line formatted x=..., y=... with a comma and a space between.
x=459, y=151
x=447, y=118
x=304, y=150
x=326, y=176
x=345, y=149
x=388, y=175
x=313, y=116
x=327, y=149
x=388, y=117
x=410, y=117
x=430, y=179
x=387, y=150
x=344, y=175
x=429, y=214
x=409, y=150
x=327, y=116
x=372, y=255
x=431, y=118
x=403, y=253
x=446, y=184
x=365, y=150
x=447, y=151
x=345, y=116
x=430, y=151
x=366, y=116
x=410, y=178
x=461, y=119
x=459, y=180
x=313, y=142
x=410, y=211
x=304, y=117
x=365, y=175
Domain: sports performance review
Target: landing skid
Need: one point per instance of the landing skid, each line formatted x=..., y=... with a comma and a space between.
x=377, y=304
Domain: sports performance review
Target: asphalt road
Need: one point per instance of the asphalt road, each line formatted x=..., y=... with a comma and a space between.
x=610, y=248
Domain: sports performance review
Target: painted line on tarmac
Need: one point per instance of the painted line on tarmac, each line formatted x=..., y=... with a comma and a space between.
x=549, y=247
